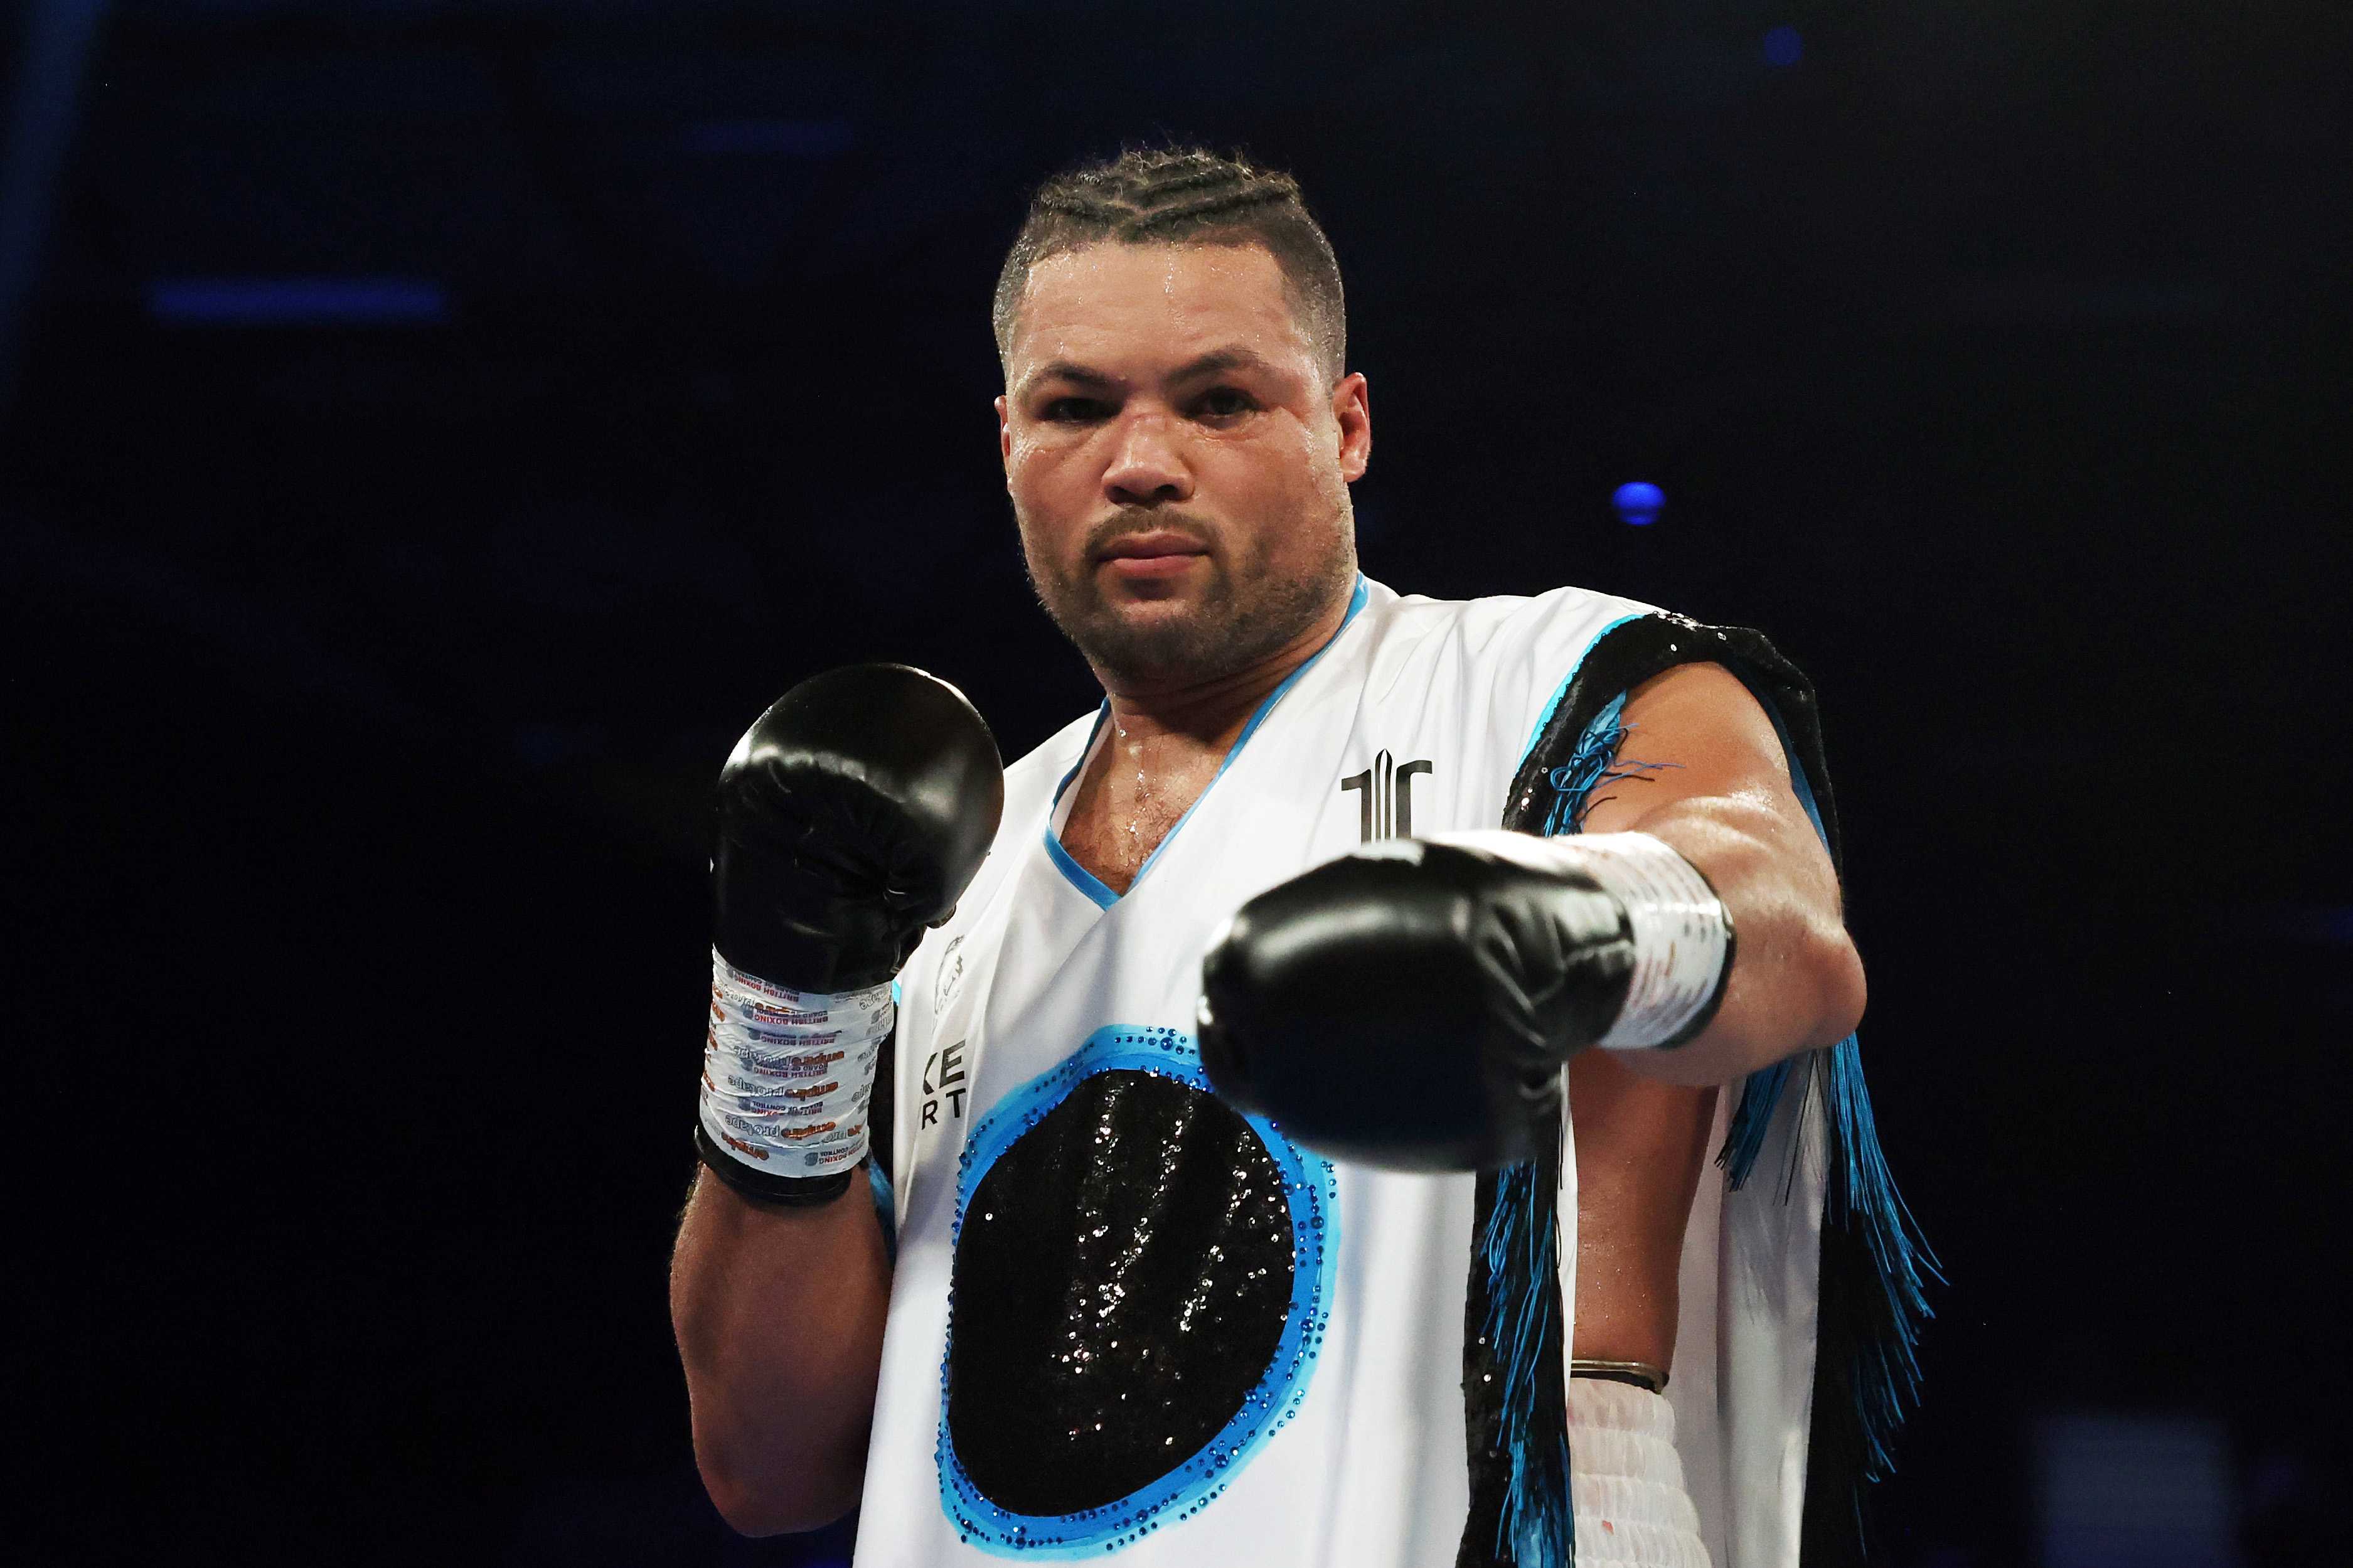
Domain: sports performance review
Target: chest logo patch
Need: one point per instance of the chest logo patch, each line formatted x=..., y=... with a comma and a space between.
x=1141, y=1283
x=951, y=979
x=1385, y=796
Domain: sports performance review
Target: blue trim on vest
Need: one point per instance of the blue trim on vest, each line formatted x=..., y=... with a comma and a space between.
x=1093, y=887
x=1078, y=876
x=1561, y=690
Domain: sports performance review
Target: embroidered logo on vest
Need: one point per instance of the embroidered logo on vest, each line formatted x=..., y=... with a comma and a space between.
x=951, y=978
x=1385, y=796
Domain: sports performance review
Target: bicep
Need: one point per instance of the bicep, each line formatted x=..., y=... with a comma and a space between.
x=1700, y=747
x=1701, y=768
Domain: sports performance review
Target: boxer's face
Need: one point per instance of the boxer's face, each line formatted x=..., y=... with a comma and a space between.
x=1163, y=398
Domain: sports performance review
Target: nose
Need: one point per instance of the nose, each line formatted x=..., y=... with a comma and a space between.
x=1148, y=466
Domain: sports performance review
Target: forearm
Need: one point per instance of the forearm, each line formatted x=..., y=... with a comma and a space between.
x=1797, y=983
x=779, y=1313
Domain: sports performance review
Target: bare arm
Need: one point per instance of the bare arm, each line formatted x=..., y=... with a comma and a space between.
x=1727, y=805
x=778, y=1313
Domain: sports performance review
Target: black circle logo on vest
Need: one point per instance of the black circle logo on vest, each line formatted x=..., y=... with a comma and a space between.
x=1140, y=1286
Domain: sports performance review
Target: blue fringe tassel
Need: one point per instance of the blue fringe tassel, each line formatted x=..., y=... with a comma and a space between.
x=1522, y=1252
x=1591, y=764
x=1876, y=1264
x=1862, y=1201
x=1522, y=1248
x=1744, y=1140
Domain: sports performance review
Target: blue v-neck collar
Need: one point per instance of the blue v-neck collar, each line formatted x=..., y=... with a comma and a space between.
x=1092, y=886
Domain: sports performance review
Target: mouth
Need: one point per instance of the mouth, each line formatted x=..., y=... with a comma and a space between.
x=1159, y=545
x=1141, y=558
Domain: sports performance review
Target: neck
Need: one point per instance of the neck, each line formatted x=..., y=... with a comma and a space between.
x=1209, y=712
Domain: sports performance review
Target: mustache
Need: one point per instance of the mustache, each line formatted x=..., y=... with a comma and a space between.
x=1134, y=522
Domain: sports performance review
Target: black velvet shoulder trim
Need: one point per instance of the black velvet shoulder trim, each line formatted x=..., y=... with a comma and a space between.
x=1631, y=653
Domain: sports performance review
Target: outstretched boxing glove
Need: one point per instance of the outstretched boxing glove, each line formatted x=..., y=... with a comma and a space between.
x=852, y=815
x=1411, y=1005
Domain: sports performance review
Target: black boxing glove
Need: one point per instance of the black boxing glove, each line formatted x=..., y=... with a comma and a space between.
x=1411, y=1005
x=852, y=815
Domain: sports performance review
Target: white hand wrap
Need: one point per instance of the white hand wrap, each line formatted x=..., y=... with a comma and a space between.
x=1683, y=938
x=788, y=1076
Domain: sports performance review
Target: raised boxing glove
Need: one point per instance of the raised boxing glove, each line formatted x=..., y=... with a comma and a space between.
x=852, y=815
x=1411, y=1005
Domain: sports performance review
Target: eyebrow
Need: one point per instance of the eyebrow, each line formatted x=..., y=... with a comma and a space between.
x=1215, y=362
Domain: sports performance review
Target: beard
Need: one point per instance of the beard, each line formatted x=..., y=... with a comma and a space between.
x=1245, y=611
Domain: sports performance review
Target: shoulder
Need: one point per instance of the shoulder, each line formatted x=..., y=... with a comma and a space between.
x=1707, y=708
x=1502, y=624
x=1508, y=654
x=1480, y=675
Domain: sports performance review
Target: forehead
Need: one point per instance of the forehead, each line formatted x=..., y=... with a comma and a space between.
x=1150, y=302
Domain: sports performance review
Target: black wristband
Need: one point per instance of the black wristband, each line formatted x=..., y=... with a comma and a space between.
x=794, y=1191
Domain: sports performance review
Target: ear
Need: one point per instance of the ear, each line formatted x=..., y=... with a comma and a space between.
x=1352, y=411
x=1005, y=435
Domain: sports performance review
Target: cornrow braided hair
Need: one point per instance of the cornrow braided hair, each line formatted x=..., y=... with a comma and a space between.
x=1180, y=196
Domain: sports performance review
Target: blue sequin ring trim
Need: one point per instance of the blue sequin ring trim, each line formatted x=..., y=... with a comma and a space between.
x=1192, y=1485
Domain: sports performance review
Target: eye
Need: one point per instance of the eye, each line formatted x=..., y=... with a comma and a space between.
x=1225, y=402
x=1070, y=410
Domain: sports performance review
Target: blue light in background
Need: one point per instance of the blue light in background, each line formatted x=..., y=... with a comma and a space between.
x=1639, y=504
x=297, y=301
x=1784, y=46
x=2317, y=926
x=2134, y=1492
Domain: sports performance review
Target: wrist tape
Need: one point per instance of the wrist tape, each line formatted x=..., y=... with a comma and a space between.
x=788, y=1075
x=1682, y=935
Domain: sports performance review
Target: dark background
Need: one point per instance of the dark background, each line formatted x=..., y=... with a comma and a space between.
x=372, y=660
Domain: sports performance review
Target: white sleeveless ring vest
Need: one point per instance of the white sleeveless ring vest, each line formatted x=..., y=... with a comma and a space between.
x=1126, y=1321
